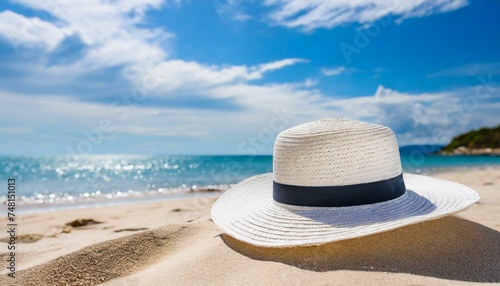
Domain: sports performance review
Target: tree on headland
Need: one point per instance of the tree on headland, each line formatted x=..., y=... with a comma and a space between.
x=484, y=138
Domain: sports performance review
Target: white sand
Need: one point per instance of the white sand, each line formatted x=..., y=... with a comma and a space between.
x=175, y=242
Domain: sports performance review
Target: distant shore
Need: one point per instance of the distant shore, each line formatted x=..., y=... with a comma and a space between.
x=462, y=150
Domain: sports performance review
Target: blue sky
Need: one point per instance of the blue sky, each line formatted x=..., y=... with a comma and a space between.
x=226, y=76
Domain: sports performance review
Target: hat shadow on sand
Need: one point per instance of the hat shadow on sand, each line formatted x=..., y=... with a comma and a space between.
x=449, y=248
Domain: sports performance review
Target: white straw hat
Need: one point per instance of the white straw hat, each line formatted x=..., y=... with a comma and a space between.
x=334, y=179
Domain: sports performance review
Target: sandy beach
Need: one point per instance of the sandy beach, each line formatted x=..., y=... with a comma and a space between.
x=176, y=243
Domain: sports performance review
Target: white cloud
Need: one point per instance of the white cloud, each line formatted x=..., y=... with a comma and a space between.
x=30, y=31
x=113, y=36
x=278, y=65
x=310, y=82
x=415, y=118
x=231, y=9
x=469, y=70
x=333, y=71
x=173, y=75
x=309, y=15
x=109, y=30
x=240, y=16
x=163, y=131
x=425, y=117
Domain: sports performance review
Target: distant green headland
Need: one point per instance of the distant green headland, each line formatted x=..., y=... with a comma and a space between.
x=484, y=141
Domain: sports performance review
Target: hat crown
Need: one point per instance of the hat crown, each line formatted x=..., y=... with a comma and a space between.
x=335, y=152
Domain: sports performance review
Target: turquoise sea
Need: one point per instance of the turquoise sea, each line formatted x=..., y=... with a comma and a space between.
x=74, y=180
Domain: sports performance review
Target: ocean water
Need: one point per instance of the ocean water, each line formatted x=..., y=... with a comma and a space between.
x=73, y=180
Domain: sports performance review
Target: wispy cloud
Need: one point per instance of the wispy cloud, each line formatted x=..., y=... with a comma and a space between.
x=309, y=15
x=279, y=64
x=310, y=82
x=187, y=130
x=231, y=10
x=469, y=70
x=333, y=71
x=175, y=75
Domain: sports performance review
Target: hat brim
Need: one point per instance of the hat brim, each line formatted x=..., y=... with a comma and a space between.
x=248, y=212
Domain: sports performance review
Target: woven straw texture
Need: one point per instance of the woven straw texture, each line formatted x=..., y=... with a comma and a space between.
x=333, y=152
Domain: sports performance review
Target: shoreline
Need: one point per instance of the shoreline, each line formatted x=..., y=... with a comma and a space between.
x=40, y=205
x=37, y=205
